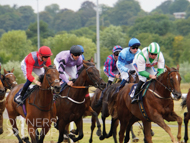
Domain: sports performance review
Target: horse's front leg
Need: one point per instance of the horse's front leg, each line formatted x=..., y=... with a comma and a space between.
x=44, y=131
x=1, y=123
x=174, y=117
x=160, y=121
x=186, y=120
x=147, y=132
x=32, y=133
x=79, y=125
x=97, y=121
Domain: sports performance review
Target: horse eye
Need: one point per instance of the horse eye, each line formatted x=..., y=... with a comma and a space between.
x=48, y=75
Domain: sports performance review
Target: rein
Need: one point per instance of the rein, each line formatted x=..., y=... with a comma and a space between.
x=169, y=89
x=2, y=100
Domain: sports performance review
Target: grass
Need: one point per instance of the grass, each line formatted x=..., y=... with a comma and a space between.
x=160, y=135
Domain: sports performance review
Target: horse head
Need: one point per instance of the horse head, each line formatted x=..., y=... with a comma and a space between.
x=173, y=80
x=9, y=79
x=52, y=79
x=93, y=76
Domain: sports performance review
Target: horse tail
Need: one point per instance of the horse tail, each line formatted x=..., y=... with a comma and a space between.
x=183, y=103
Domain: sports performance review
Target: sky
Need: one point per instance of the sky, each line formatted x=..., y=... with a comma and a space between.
x=146, y=5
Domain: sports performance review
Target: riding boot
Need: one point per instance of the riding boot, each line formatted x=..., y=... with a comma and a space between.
x=122, y=84
x=137, y=90
x=20, y=97
x=109, y=83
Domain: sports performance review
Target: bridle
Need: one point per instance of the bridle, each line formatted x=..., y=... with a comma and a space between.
x=49, y=83
x=169, y=89
x=7, y=82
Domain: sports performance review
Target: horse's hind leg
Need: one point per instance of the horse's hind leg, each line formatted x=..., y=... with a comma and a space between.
x=115, y=131
x=135, y=139
x=186, y=120
x=123, y=126
x=112, y=128
x=12, y=120
x=147, y=132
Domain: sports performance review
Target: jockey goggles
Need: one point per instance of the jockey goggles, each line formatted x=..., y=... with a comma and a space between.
x=135, y=47
x=76, y=54
x=116, y=53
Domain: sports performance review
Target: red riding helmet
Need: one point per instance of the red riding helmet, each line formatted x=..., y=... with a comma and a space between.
x=45, y=51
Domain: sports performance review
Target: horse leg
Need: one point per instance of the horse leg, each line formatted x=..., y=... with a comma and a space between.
x=97, y=121
x=61, y=129
x=93, y=120
x=112, y=127
x=12, y=120
x=44, y=131
x=102, y=137
x=79, y=125
x=135, y=139
x=32, y=133
x=160, y=121
x=115, y=130
x=174, y=117
x=186, y=120
x=123, y=126
x=1, y=123
x=147, y=132
x=37, y=135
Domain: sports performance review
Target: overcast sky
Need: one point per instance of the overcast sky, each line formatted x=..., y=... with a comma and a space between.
x=146, y=5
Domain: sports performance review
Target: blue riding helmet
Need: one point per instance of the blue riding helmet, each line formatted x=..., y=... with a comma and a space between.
x=81, y=48
x=134, y=42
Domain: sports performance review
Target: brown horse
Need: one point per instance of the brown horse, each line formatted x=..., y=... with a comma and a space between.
x=104, y=109
x=2, y=104
x=186, y=103
x=70, y=105
x=41, y=110
x=158, y=104
x=9, y=81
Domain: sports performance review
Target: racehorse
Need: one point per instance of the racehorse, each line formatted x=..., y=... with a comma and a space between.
x=158, y=105
x=2, y=104
x=41, y=110
x=70, y=104
x=8, y=80
x=104, y=108
x=186, y=103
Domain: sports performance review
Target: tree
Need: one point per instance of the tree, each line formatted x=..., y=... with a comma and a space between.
x=178, y=6
x=15, y=45
x=112, y=36
x=52, y=9
x=163, y=8
x=183, y=26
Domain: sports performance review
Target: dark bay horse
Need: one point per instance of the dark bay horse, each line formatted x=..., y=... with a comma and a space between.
x=158, y=104
x=186, y=103
x=104, y=109
x=41, y=110
x=2, y=104
x=70, y=105
x=8, y=80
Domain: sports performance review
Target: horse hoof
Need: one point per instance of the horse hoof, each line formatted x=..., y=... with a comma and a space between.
x=98, y=133
x=135, y=139
x=71, y=136
x=101, y=137
x=74, y=132
x=26, y=139
x=1, y=131
x=152, y=133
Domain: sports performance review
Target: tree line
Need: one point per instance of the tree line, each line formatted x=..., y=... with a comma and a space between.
x=62, y=28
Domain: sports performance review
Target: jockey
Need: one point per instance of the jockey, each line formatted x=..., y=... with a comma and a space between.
x=82, y=51
x=144, y=63
x=34, y=62
x=110, y=68
x=68, y=63
x=125, y=61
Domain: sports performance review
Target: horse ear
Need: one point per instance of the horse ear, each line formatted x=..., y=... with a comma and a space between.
x=92, y=60
x=12, y=70
x=5, y=72
x=178, y=67
x=45, y=67
x=167, y=68
x=54, y=66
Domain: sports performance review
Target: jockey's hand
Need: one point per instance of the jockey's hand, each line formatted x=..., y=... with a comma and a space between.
x=132, y=71
x=70, y=83
x=117, y=76
x=37, y=82
x=152, y=76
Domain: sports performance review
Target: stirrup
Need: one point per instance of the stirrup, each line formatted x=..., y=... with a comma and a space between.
x=134, y=100
x=19, y=99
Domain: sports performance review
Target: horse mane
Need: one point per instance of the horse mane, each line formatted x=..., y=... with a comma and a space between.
x=41, y=77
x=88, y=64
